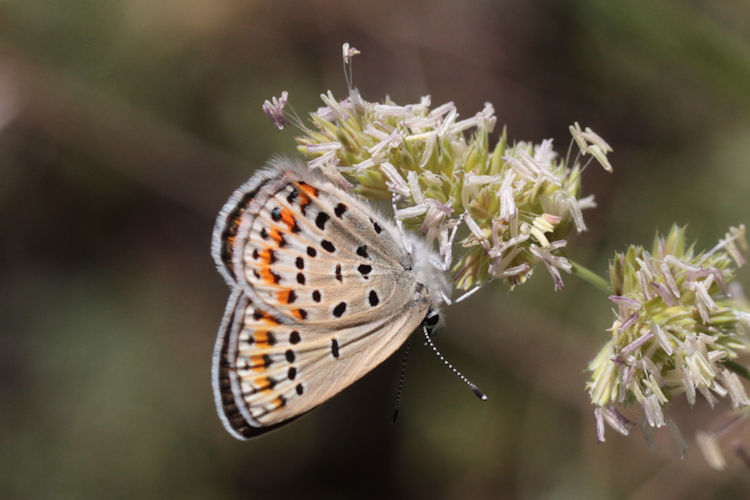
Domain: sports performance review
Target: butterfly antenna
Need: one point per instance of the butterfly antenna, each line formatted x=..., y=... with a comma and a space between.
x=472, y=386
x=401, y=376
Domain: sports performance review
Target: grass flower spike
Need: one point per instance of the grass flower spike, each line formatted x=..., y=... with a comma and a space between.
x=677, y=329
x=517, y=201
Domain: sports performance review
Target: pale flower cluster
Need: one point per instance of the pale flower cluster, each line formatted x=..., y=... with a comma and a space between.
x=676, y=330
x=512, y=204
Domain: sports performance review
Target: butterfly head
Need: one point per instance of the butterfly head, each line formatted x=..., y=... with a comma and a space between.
x=428, y=270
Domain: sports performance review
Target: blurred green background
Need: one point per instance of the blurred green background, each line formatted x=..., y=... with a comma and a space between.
x=124, y=126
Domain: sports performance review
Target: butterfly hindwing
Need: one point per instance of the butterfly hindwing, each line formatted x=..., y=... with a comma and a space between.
x=268, y=371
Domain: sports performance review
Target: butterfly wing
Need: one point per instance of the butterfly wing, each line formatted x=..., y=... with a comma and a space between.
x=267, y=372
x=309, y=251
x=323, y=292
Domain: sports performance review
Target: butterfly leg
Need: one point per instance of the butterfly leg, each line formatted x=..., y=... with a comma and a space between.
x=449, y=252
x=448, y=261
x=470, y=293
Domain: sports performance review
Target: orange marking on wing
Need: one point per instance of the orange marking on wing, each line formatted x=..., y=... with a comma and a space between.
x=299, y=314
x=270, y=319
x=304, y=200
x=266, y=259
x=278, y=402
x=288, y=217
x=262, y=383
x=307, y=188
x=276, y=235
x=268, y=276
x=261, y=338
x=258, y=362
x=266, y=256
x=285, y=296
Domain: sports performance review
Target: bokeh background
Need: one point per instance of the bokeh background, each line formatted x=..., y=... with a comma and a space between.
x=124, y=126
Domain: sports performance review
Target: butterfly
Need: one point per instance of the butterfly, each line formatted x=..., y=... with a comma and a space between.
x=323, y=290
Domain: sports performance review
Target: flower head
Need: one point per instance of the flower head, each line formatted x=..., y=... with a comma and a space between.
x=517, y=201
x=676, y=328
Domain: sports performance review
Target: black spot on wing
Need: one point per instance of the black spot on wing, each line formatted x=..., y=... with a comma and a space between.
x=339, y=210
x=335, y=348
x=339, y=310
x=321, y=219
x=373, y=298
x=328, y=246
x=364, y=269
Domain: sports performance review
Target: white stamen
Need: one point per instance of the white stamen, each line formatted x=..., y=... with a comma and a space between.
x=447, y=122
x=587, y=202
x=409, y=212
x=364, y=165
x=397, y=183
x=442, y=109
x=577, y=133
x=652, y=409
x=323, y=147
x=736, y=389
x=594, y=139
x=416, y=191
x=508, y=208
x=599, y=418
x=615, y=420
x=637, y=343
x=324, y=159
x=661, y=337
x=709, y=447
x=669, y=279
x=543, y=153
x=274, y=109
x=385, y=111
x=476, y=231
x=347, y=51
x=628, y=323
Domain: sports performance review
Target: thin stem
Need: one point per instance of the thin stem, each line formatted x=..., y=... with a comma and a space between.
x=737, y=368
x=590, y=277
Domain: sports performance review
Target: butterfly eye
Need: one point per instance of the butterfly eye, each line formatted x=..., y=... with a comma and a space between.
x=432, y=320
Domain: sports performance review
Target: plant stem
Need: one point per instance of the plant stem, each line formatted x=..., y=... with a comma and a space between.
x=590, y=277
x=737, y=368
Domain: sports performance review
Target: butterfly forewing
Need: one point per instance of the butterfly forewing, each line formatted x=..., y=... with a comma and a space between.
x=315, y=254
